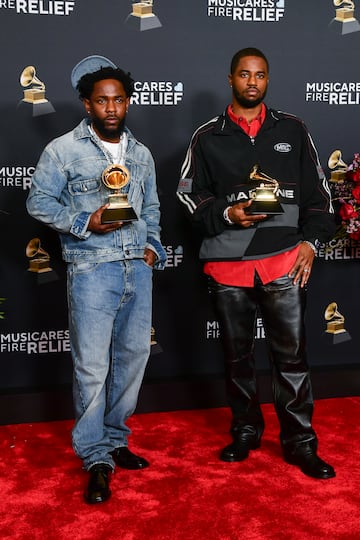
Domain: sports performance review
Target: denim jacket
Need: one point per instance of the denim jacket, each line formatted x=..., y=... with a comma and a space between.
x=67, y=188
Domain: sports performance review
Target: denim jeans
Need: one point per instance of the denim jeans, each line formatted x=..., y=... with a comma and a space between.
x=110, y=326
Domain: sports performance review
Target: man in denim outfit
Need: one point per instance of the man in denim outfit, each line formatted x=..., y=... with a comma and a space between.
x=110, y=265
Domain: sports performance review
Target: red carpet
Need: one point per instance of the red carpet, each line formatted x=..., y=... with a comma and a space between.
x=187, y=493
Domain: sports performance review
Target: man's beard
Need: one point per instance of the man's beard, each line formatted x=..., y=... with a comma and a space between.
x=248, y=103
x=108, y=133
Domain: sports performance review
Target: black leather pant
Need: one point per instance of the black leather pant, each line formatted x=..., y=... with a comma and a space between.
x=282, y=307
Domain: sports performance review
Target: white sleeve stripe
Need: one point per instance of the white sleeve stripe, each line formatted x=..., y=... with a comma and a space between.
x=187, y=162
x=186, y=165
x=327, y=189
x=185, y=199
x=325, y=183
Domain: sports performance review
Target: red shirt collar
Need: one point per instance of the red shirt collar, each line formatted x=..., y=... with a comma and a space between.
x=251, y=129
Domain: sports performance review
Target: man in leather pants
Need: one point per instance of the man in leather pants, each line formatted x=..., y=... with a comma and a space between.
x=260, y=261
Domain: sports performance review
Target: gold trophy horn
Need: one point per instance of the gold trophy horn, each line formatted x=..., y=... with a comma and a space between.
x=348, y=3
x=338, y=167
x=34, y=248
x=336, y=161
x=39, y=258
x=28, y=77
x=336, y=320
x=35, y=94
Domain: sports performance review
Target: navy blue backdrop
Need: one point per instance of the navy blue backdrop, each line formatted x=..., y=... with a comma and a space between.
x=179, y=52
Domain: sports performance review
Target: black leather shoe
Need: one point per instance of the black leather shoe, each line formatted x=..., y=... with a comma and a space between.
x=127, y=460
x=309, y=463
x=98, y=487
x=239, y=449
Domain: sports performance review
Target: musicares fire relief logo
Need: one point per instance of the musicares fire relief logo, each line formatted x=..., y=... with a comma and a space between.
x=39, y=7
x=247, y=10
x=213, y=330
x=342, y=249
x=157, y=93
x=35, y=342
x=333, y=93
x=12, y=176
x=174, y=256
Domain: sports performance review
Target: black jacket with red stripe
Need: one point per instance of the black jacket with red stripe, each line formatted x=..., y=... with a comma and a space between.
x=215, y=175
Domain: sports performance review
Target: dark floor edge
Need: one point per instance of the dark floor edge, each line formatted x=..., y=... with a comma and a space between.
x=168, y=395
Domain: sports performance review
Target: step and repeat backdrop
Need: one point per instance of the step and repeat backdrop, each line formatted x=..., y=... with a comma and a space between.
x=179, y=53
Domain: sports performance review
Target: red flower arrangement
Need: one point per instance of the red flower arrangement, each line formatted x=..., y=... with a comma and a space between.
x=346, y=194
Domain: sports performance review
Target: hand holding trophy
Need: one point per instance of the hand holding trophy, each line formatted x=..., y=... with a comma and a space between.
x=115, y=177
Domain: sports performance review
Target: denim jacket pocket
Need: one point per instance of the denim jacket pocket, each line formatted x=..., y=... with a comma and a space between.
x=85, y=194
x=84, y=187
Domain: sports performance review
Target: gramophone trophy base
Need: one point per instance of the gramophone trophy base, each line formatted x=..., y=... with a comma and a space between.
x=271, y=208
x=39, y=266
x=42, y=277
x=344, y=27
x=140, y=9
x=155, y=348
x=337, y=331
x=120, y=213
x=337, y=337
x=36, y=109
x=144, y=22
x=335, y=327
x=337, y=176
x=34, y=96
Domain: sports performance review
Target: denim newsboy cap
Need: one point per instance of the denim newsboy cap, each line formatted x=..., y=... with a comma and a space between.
x=90, y=64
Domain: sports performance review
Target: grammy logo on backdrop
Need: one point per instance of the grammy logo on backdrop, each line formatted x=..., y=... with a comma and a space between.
x=142, y=16
x=338, y=167
x=344, y=21
x=335, y=325
x=39, y=261
x=34, y=93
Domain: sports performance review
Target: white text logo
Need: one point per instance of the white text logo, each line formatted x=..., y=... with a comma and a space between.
x=283, y=147
x=213, y=331
x=16, y=177
x=333, y=93
x=37, y=342
x=157, y=93
x=241, y=195
x=174, y=256
x=247, y=10
x=39, y=7
x=343, y=249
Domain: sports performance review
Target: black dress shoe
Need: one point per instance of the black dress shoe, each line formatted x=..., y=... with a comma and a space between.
x=98, y=487
x=127, y=460
x=239, y=449
x=309, y=463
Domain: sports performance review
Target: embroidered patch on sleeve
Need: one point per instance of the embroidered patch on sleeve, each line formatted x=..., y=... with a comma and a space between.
x=185, y=185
